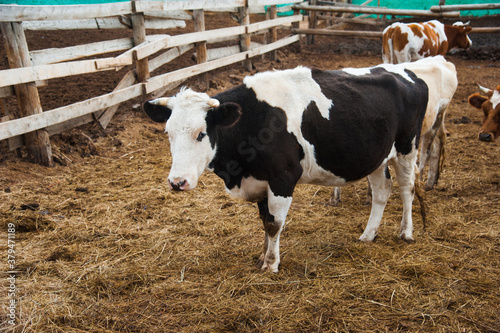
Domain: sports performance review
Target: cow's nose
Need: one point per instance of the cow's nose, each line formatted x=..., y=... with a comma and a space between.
x=485, y=137
x=177, y=185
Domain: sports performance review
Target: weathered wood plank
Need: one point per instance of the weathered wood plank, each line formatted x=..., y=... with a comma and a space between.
x=168, y=56
x=101, y=23
x=62, y=114
x=351, y=33
x=270, y=2
x=55, y=55
x=69, y=12
x=160, y=81
x=213, y=54
x=376, y=10
x=171, y=14
x=485, y=30
x=143, y=6
x=268, y=24
x=448, y=8
x=45, y=72
x=194, y=37
x=273, y=46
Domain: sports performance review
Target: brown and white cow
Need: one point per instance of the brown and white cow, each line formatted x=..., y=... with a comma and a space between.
x=490, y=105
x=403, y=42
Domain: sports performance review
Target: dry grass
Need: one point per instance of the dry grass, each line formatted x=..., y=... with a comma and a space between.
x=110, y=249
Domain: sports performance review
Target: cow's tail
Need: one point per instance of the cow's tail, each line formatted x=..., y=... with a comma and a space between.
x=420, y=193
x=442, y=153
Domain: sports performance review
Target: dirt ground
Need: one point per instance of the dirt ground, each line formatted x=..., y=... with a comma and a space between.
x=102, y=244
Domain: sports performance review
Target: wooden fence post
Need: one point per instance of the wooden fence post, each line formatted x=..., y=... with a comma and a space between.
x=313, y=22
x=201, y=47
x=245, y=38
x=139, y=37
x=273, y=13
x=37, y=142
x=141, y=73
x=295, y=26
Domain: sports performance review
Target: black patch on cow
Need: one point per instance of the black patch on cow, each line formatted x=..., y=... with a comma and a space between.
x=370, y=114
x=157, y=113
x=258, y=144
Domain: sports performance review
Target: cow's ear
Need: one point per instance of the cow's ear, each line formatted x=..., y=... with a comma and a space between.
x=226, y=115
x=477, y=100
x=157, y=110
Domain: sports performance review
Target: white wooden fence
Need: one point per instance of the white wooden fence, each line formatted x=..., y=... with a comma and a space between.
x=33, y=126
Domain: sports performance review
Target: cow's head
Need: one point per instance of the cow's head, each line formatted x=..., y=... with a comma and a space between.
x=458, y=36
x=490, y=105
x=192, y=120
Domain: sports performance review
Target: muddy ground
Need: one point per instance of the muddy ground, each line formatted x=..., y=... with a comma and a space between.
x=102, y=244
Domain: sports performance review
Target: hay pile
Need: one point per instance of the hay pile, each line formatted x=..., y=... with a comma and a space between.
x=102, y=245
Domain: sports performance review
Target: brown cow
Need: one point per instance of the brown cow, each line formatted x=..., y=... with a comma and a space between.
x=490, y=104
x=409, y=42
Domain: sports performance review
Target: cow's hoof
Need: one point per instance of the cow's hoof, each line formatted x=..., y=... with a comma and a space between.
x=266, y=266
x=332, y=203
x=428, y=187
x=407, y=239
x=367, y=238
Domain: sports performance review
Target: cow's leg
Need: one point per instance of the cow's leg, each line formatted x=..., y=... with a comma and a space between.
x=335, y=197
x=425, y=151
x=273, y=213
x=267, y=219
x=436, y=159
x=432, y=148
x=368, y=194
x=405, y=172
x=381, y=184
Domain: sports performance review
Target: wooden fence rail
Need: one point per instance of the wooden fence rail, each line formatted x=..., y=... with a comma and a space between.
x=43, y=65
x=442, y=11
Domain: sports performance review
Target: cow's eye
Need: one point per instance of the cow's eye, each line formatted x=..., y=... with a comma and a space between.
x=201, y=136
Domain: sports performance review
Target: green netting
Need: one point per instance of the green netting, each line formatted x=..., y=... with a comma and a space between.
x=425, y=5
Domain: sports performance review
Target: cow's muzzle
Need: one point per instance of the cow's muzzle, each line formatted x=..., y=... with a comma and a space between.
x=179, y=185
x=487, y=137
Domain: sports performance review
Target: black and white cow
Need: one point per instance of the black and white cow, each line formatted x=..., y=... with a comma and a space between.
x=300, y=125
x=442, y=87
